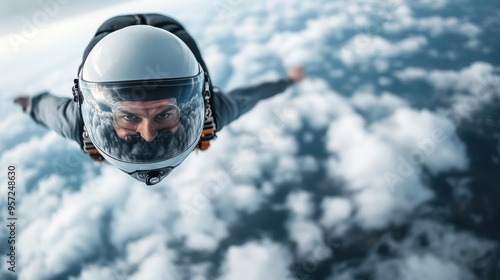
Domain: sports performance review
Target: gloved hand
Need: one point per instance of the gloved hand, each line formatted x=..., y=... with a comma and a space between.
x=23, y=101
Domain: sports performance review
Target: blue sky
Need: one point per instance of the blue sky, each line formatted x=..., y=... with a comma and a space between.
x=381, y=164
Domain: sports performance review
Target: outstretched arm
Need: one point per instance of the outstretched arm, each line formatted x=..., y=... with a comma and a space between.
x=57, y=113
x=231, y=106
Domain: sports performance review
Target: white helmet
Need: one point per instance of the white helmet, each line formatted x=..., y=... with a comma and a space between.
x=142, y=100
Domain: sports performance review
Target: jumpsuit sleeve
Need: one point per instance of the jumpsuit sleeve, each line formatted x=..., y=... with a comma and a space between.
x=59, y=114
x=229, y=107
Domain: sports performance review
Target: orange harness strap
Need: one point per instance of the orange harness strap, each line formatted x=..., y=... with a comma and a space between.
x=206, y=135
x=89, y=148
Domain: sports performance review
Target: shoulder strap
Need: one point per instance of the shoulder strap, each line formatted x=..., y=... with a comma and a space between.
x=89, y=148
x=209, y=127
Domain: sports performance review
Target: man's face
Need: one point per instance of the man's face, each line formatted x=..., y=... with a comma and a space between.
x=145, y=118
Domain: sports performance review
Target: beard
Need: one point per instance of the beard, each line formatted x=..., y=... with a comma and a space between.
x=142, y=150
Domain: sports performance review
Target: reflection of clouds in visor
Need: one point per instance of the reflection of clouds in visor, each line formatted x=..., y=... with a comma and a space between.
x=163, y=115
x=166, y=145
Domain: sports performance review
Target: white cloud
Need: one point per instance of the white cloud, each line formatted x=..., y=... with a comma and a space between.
x=218, y=65
x=319, y=106
x=358, y=151
x=202, y=229
x=474, y=86
x=97, y=272
x=308, y=236
x=158, y=265
x=138, y=250
x=436, y=26
x=430, y=250
x=466, y=79
x=16, y=128
x=248, y=66
x=133, y=211
x=425, y=137
x=429, y=267
x=69, y=240
x=375, y=159
x=200, y=271
x=47, y=199
x=411, y=73
x=384, y=81
x=300, y=204
x=201, y=241
x=308, y=47
x=257, y=29
x=377, y=107
x=256, y=260
x=362, y=48
x=246, y=198
x=433, y=4
x=335, y=210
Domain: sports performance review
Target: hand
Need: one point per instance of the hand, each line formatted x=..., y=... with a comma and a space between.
x=23, y=101
x=296, y=74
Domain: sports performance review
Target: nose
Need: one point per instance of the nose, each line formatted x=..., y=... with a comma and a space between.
x=147, y=130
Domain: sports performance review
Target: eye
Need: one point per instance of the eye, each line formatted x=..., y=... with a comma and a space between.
x=163, y=116
x=129, y=117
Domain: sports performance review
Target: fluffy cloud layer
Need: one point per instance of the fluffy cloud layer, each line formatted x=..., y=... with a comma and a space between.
x=337, y=157
x=473, y=87
x=256, y=260
x=363, y=48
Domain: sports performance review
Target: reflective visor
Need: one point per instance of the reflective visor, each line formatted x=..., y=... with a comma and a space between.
x=144, y=122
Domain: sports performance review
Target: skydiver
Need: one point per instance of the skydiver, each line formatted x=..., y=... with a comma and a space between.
x=143, y=100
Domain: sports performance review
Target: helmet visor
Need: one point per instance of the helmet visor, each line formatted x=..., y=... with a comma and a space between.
x=161, y=116
x=144, y=121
